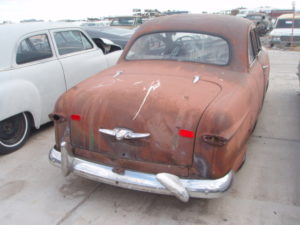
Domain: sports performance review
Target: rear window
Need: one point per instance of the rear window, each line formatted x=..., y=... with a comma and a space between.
x=287, y=23
x=180, y=46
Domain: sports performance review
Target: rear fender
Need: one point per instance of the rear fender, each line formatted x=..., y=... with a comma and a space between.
x=20, y=96
x=231, y=117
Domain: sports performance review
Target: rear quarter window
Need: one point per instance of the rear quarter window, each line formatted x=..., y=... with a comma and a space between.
x=33, y=48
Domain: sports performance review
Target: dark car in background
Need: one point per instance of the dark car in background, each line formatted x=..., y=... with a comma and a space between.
x=118, y=36
x=128, y=22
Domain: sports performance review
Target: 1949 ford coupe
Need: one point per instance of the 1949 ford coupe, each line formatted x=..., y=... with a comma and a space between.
x=174, y=115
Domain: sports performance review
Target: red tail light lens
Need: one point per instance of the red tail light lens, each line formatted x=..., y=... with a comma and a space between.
x=75, y=117
x=186, y=133
x=214, y=140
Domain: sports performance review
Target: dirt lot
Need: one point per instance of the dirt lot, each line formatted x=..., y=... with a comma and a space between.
x=265, y=191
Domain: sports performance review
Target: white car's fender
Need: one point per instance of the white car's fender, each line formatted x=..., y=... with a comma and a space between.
x=17, y=96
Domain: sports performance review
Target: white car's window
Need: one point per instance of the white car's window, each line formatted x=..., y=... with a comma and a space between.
x=180, y=46
x=34, y=48
x=71, y=41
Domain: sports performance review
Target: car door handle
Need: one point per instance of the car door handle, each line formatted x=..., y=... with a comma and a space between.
x=265, y=67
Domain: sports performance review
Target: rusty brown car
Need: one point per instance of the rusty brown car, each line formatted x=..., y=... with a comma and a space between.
x=175, y=113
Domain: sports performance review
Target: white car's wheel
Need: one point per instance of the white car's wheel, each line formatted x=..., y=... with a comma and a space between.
x=14, y=132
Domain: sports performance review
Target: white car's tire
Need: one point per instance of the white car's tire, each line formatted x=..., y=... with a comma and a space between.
x=14, y=132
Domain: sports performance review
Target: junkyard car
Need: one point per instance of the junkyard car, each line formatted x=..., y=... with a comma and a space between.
x=174, y=115
x=119, y=36
x=38, y=62
x=262, y=22
x=129, y=22
x=286, y=26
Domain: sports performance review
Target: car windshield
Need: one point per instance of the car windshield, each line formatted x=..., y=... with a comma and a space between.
x=180, y=46
x=288, y=23
x=123, y=21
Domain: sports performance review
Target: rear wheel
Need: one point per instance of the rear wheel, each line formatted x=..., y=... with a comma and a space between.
x=14, y=132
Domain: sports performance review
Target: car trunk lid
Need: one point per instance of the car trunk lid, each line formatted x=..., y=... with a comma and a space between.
x=168, y=108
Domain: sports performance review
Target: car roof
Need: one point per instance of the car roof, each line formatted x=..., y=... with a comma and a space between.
x=231, y=28
x=289, y=16
x=11, y=33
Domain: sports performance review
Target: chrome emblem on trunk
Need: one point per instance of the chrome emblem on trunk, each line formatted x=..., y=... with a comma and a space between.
x=123, y=133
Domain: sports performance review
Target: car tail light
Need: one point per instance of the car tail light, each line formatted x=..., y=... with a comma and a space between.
x=75, y=117
x=186, y=133
x=214, y=140
x=57, y=117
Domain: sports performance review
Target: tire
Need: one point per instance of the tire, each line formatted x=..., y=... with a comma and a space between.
x=14, y=132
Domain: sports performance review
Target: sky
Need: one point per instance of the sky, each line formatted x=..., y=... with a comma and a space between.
x=16, y=10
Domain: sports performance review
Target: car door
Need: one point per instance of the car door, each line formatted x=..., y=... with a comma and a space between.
x=36, y=67
x=78, y=55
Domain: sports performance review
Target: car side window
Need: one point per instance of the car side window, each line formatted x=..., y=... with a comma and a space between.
x=253, y=46
x=33, y=48
x=251, y=56
x=71, y=41
x=257, y=40
x=139, y=21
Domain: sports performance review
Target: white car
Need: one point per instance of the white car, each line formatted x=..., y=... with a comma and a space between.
x=286, y=26
x=39, y=62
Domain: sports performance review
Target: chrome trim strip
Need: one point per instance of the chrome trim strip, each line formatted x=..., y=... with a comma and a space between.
x=162, y=183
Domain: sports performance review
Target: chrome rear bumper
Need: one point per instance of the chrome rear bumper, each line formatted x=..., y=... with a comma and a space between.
x=162, y=183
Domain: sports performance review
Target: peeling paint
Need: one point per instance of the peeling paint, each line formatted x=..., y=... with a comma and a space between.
x=118, y=73
x=201, y=165
x=138, y=82
x=154, y=85
x=196, y=79
x=104, y=84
